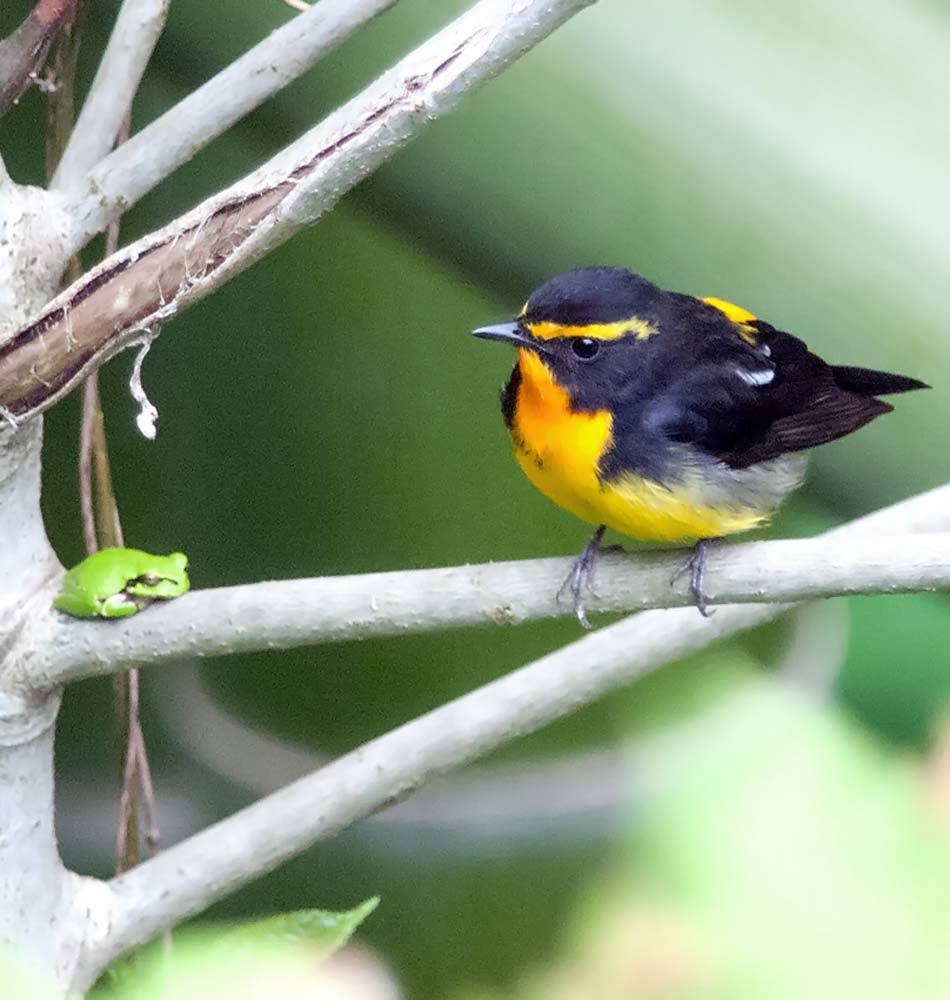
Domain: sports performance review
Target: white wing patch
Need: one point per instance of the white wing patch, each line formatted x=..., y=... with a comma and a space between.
x=755, y=378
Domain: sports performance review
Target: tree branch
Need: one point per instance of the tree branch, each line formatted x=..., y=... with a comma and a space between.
x=133, y=38
x=192, y=875
x=175, y=137
x=23, y=53
x=287, y=613
x=135, y=290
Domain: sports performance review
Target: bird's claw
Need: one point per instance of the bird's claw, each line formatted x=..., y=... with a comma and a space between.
x=695, y=565
x=581, y=575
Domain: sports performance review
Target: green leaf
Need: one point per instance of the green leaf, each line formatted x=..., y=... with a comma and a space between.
x=324, y=929
x=208, y=960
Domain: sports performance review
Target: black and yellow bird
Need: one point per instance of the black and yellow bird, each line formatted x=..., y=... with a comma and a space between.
x=666, y=417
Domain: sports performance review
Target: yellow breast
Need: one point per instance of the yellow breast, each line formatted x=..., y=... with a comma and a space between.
x=559, y=451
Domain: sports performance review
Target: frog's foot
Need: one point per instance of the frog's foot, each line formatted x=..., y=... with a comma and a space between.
x=121, y=605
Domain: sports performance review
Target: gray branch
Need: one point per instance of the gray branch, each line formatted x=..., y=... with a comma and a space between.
x=188, y=877
x=62, y=920
x=129, y=295
x=117, y=79
x=192, y=875
x=288, y=613
x=174, y=138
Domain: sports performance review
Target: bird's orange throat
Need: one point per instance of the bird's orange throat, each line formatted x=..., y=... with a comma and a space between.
x=558, y=448
x=547, y=426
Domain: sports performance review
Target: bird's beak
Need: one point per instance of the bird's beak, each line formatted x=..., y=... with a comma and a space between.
x=509, y=332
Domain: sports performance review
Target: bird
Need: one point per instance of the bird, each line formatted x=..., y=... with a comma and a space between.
x=668, y=417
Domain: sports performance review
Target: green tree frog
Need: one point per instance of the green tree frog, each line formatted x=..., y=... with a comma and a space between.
x=115, y=583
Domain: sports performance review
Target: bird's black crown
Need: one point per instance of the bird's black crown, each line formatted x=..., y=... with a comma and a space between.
x=591, y=295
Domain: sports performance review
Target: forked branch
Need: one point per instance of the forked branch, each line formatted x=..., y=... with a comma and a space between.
x=190, y=876
x=135, y=290
x=109, y=187
x=117, y=79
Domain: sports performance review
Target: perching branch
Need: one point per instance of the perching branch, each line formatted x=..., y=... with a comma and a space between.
x=23, y=53
x=136, y=31
x=288, y=613
x=63, y=921
x=206, y=113
x=135, y=290
x=192, y=875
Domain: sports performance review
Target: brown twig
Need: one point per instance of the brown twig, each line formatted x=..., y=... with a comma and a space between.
x=126, y=299
x=102, y=524
x=85, y=464
x=61, y=108
x=23, y=53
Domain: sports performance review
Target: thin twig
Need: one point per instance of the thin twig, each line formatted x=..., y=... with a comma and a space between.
x=23, y=53
x=174, y=138
x=137, y=28
x=126, y=833
x=153, y=279
x=89, y=410
x=61, y=96
x=122, y=66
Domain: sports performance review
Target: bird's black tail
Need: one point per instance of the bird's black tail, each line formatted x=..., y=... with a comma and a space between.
x=867, y=382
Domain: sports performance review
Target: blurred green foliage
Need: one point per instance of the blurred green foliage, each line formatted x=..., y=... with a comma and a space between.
x=784, y=855
x=281, y=954
x=327, y=412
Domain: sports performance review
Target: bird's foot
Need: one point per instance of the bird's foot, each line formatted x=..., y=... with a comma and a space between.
x=581, y=574
x=695, y=565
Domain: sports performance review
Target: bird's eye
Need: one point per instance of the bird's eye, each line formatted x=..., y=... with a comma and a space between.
x=585, y=347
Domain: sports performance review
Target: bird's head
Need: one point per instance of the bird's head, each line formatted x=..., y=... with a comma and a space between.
x=584, y=331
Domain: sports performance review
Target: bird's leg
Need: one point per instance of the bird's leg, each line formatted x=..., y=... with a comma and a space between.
x=695, y=565
x=582, y=573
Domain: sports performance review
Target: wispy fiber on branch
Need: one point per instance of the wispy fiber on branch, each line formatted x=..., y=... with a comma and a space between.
x=151, y=280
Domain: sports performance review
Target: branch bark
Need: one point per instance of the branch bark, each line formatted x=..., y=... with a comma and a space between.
x=211, y=110
x=288, y=613
x=23, y=53
x=133, y=38
x=135, y=290
x=64, y=918
x=190, y=876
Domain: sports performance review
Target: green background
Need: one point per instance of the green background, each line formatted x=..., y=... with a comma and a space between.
x=327, y=412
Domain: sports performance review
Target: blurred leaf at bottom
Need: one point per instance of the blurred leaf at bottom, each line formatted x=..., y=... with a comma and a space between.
x=786, y=857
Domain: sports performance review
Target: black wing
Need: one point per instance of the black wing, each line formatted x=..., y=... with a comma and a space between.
x=745, y=403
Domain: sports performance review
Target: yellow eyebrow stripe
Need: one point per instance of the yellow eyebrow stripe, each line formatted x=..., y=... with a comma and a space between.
x=741, y=317
x=639, y=327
